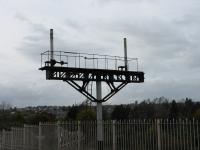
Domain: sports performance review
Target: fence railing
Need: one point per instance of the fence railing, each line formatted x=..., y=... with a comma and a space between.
x=159, y=134
x=85, y=60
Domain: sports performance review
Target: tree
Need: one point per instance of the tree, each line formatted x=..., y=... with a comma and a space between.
x=86, y=114
x=5, y=106
x=41, y=117
x=173, y=110
x=189, y=109
x=18, y=118
x=72, y=113
x=197, y=114
x=121, y=112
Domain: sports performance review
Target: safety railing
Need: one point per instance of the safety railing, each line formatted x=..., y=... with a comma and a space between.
x=85, y=60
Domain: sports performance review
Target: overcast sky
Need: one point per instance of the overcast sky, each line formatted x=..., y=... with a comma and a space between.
x=163, y=34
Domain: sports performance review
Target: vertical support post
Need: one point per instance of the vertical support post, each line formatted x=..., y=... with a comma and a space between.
x=158, y=133
x=58, y=134
x=11, y=142
x=51, y=44
x=198, y=139
x=79, y=135
x=3, y=139
x=99, y=116
x=113, y=130
x=24, y=137
x=40, y=137
x=125, y=55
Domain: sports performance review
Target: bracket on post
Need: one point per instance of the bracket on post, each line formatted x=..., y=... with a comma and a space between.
x=82, y=89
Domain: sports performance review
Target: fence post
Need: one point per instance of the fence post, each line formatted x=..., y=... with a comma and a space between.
x=1, y=136
x=3, y=139
x=58, y=134
x=40, y=137
x=11, y=142
x=24, y=137
x=113, y=130
x=79, y=135
x=158, y=133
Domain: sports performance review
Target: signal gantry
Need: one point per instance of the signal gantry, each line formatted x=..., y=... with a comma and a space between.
x=79, y=69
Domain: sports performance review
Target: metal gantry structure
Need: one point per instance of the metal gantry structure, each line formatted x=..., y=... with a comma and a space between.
x=84, y=72
x=79, y=69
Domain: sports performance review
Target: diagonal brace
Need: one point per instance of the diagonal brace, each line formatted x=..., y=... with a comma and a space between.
x=114, y=90
x=82, y=89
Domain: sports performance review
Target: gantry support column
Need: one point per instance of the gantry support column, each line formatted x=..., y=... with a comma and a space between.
x=99, y=116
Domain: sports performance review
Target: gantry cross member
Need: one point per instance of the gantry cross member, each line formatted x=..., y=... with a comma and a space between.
x=79, y=78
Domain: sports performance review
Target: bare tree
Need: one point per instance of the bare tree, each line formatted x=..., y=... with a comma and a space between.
x=5, y=105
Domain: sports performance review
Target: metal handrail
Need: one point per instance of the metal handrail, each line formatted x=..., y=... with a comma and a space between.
x=61, y=55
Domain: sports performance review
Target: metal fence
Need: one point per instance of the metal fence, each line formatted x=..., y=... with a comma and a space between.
x=159, y=134
x=85, y=60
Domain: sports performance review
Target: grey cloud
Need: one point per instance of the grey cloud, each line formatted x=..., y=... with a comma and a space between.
x=122, y=1
x=21, y=17
x=37, y=28
x=36, y=42
x=168, y=88
x=74, y=24
x=156, y=34
x=29, y=94
x=64, y=40
x=168, y=50
x=164, y=43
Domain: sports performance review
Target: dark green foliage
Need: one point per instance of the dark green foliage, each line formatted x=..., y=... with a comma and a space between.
x=81, y=112
x=72, y=113
x=143, y=110
x=157, y=108
x=121, y=112
x=173, y=110
x=189, y=108
x=41, y=117
x=11, y=118
x=86, y=114
x=147, y=109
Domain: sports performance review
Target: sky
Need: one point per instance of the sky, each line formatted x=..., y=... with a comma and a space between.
x=164, y=35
